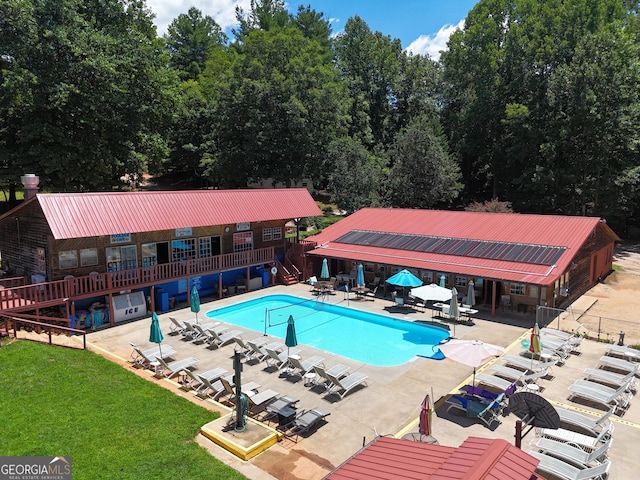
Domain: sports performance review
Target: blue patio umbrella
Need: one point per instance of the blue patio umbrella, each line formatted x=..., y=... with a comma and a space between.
x=155, y=334
x=360, y=279
x=404, y=278
x=195, y=302
x=324, y=273
x=291, y=340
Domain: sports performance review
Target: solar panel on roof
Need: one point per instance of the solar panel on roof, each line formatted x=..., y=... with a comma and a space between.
x=490, y=250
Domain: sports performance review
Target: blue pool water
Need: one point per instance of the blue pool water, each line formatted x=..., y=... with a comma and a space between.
x=362, y=336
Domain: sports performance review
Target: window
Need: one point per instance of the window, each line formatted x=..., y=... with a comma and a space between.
x=242, y=241
x=183, y=249
x=368, y=267
x=122, y=258
x=517, y=289
x=149, y=254
x=426, y=276
x=88, y=257
x=269, y=234
x=68, y=259
x=461, y=281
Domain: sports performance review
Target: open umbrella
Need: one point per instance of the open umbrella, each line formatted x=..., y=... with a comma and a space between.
x=360, y=278
x=324, y=273
x=471, y=294
x=470, y=352
x=155, y=334
x=195, y=302
x=431, y=292
x=404, y=278
x=291, y=340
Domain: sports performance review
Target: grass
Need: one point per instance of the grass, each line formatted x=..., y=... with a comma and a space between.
x=114, y=424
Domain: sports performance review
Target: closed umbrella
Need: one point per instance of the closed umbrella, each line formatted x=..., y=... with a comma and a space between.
x=324, y=273
x=454, y=309
x=426, y=412
x=471, y=295
x=535, y=346
x=443, y=279
x=155, y=334
x=360, y=278
x=470, y=352
x=195, y=302
x=291, y=340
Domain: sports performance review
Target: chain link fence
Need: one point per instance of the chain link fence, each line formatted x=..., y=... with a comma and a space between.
x=602, y=329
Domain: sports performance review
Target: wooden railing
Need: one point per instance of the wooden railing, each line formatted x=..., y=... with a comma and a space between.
x=57, y=292
x=18, y=323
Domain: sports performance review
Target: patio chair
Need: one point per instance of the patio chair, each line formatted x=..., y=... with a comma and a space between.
x=259, y=351
x=302, y=367
x=398, y=300
x=598, y=393
x=176, y=326
x=304, y=422
x=277, y=358
x=610, y=378
x=220, y=339
x=573, y=454
x=145, y=358
x=526, y=363
x=588, y=424
x=566, y=471
x=371, y=295
x=248, y=388
x=518, y=376
x=276, y=406
x=168, y=370
x=323, y=375
x=622, y=351
x=487, y=412
x=342, y=386
x=376, y=283
x=573, y=338
x=204, y=332
x=493, y=381
x=193, y=333
x=619, y=364
x=258, y=401
x=245, y=349
x=589, y=442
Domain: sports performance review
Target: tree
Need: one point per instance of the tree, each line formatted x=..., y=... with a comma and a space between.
x=87, y=95
x=423, y=174
x=190, y=39
x=262, y=15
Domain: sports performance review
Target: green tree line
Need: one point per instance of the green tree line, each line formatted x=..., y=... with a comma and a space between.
x=534, y=103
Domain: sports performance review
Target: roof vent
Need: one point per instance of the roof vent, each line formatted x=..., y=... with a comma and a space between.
x=30, y=183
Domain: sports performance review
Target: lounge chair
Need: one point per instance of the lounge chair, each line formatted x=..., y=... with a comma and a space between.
x=622, y=351
x=176, y=326
x=245, y=349
x=220, y=339
x=257, y=402
x=276, y=406
x=302, y=367
x=572, y=338
x=493, y=381
x=194, y=382
x=248, y=388
x=598, y=393
x=212, y=390
x=147, y=357
x=278, y=359
x=204, y=332
x=304, y=422
x=526, y=363
x=259, y=351
x=610, y=378
x=518, y=376
x=193, y=333
x=576, y=438
x=488, y=412
x=323, y=375
x=342, y=386
x=588, y=424
x=168, y=370
x=573, y=454
x=619, y=364
x=566, y=471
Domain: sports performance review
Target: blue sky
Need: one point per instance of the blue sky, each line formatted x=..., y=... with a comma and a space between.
x=423, y=26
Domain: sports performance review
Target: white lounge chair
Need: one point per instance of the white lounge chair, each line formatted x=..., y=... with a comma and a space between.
x=574, y=337
x=584, y=422
x=526, y=363
x=302, y=367
x=566, y=471
x=258, y=401
x=342, y=386
x=145, y=358
x=176, y=326
x=245, y=349
x=194, y=382
x=168, y=370
x=574, y=454
x=248, y=388
x=610, y=378
x=220, y=339
x=598, y=393
x=619, y=364
x=323, y=375
x=259, y=351
x=305, y=421
x=570, y=436
x=494, y=381
x=622, y=351
x=278, y=359
x=212, y=390
x=195, y=333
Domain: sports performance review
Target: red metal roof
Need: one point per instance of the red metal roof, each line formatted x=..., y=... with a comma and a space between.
x=548, y=230
x=389, y=458
x=77, y=215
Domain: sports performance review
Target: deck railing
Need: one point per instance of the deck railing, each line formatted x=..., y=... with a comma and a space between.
x=56, y=292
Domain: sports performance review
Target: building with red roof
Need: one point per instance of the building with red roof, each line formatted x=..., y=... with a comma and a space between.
x=519, y=259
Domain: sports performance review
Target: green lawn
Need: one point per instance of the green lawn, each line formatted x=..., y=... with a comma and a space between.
x=114, y=424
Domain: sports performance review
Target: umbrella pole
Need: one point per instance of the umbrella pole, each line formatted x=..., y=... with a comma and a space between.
x=160, y=349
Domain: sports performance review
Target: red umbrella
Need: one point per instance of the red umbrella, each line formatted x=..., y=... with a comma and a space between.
x=425, y=416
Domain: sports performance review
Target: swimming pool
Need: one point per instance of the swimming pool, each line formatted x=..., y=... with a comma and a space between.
x=362, y=336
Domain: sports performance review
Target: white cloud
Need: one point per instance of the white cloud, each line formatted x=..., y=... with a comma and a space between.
x=222, y=11
x=433, y=45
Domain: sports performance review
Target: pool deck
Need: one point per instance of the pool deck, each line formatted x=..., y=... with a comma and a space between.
x=389, y=405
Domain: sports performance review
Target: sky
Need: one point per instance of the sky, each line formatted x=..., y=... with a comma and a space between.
x=423, y=26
